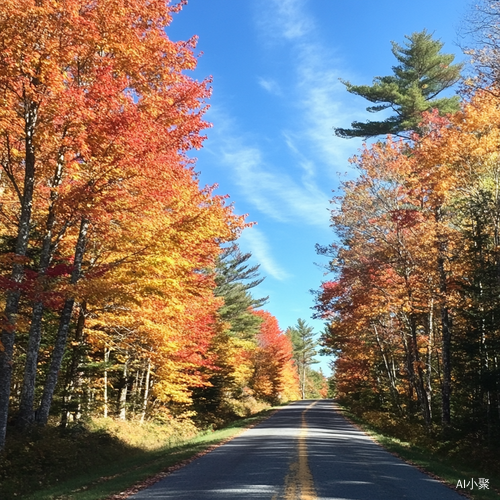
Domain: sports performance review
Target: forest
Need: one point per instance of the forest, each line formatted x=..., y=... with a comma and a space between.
x=124, y=292
x=125, y=295
x=412, y=302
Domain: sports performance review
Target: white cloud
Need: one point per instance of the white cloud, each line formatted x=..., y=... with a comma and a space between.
x=299, y=190
x=319, y=96
x=272, y=192
x=259, y=248
x=270, y=85
x=325, y=103
x=283, y=19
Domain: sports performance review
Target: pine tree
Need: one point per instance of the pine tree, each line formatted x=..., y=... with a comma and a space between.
x=423, y=72
x=233, y=279
x=304, y=350
x=238, y=332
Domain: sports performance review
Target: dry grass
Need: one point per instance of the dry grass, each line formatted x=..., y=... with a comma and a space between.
x=148, y=436
x=47, y=456
x=100, y=457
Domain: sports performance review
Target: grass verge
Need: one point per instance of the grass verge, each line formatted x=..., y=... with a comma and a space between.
x=434, y=460
x=114, y=476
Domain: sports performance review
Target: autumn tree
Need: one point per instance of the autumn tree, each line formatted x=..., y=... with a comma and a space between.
x=411, y=309
x=275, y=377
x=422, y=73
x=95, y=122
x=238, y=328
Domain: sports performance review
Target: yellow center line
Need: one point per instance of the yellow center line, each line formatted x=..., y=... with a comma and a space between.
x=299, y=484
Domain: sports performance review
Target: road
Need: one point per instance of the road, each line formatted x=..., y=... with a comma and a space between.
x=305, y=451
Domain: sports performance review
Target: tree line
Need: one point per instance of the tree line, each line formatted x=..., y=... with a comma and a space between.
x=413, y=306
x=123, y=291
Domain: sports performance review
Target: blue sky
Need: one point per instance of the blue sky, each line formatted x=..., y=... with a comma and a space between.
x=275, y=66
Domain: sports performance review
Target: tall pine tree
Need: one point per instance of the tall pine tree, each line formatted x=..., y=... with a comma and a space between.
x=234, y=278
x=304, y=350
x=423, y=72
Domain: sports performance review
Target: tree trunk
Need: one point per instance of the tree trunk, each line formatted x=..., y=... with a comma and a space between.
x=146, y=392
x=73, y=378
x=7, y=337
x=419, y=380
x=122, y=402
x=497, y=385
x=42, y=413
x=430, y=346
x=446, y=355
x=445, y=327
x=392, y=382
x=134, y=393
x=407, y=339
x=106, y=361
x=25, y=416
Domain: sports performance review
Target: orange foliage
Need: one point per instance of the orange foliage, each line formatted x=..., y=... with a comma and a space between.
x=115, y=116
x=403, y=263
x=275, y=376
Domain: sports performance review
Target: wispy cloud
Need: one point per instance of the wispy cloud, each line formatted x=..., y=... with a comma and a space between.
x=270, y=85
x=280, y=195
x=258, y=246
x=318, y=95
x=284, y=19
x=272, y=192
x=296, y=190
x=325, y=103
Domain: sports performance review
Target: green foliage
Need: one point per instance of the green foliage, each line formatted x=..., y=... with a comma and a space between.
x=232, y=279
x=304, y=350
x=236, y=311
x=225, y=399
x=316, y=384
x=304, y=345
x=422, y=73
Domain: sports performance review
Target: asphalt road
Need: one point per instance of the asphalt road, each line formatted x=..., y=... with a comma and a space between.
x=305, y=451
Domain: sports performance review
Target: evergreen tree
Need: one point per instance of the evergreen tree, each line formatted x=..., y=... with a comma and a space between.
x=234, y=278
x=304, y=350
x=423, y=72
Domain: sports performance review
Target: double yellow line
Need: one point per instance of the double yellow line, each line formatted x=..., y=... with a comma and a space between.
x=299, y=484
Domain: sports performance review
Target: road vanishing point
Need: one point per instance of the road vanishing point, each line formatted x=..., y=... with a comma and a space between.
x=305, y=451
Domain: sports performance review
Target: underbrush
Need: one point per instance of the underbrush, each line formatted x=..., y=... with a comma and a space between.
x=99, y=457
x=456, y=456
x=146, y=436
x=229, y=409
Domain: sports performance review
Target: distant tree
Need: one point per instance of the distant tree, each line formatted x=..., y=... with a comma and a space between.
x=423, y=72
x=317, y=384
x=237, y=337
x=273, y=379
x=304, y=350
x=234, y=277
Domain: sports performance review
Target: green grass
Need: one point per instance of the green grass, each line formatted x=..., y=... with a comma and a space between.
x=104, y=458
x=105, y=465
x=445, y=460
